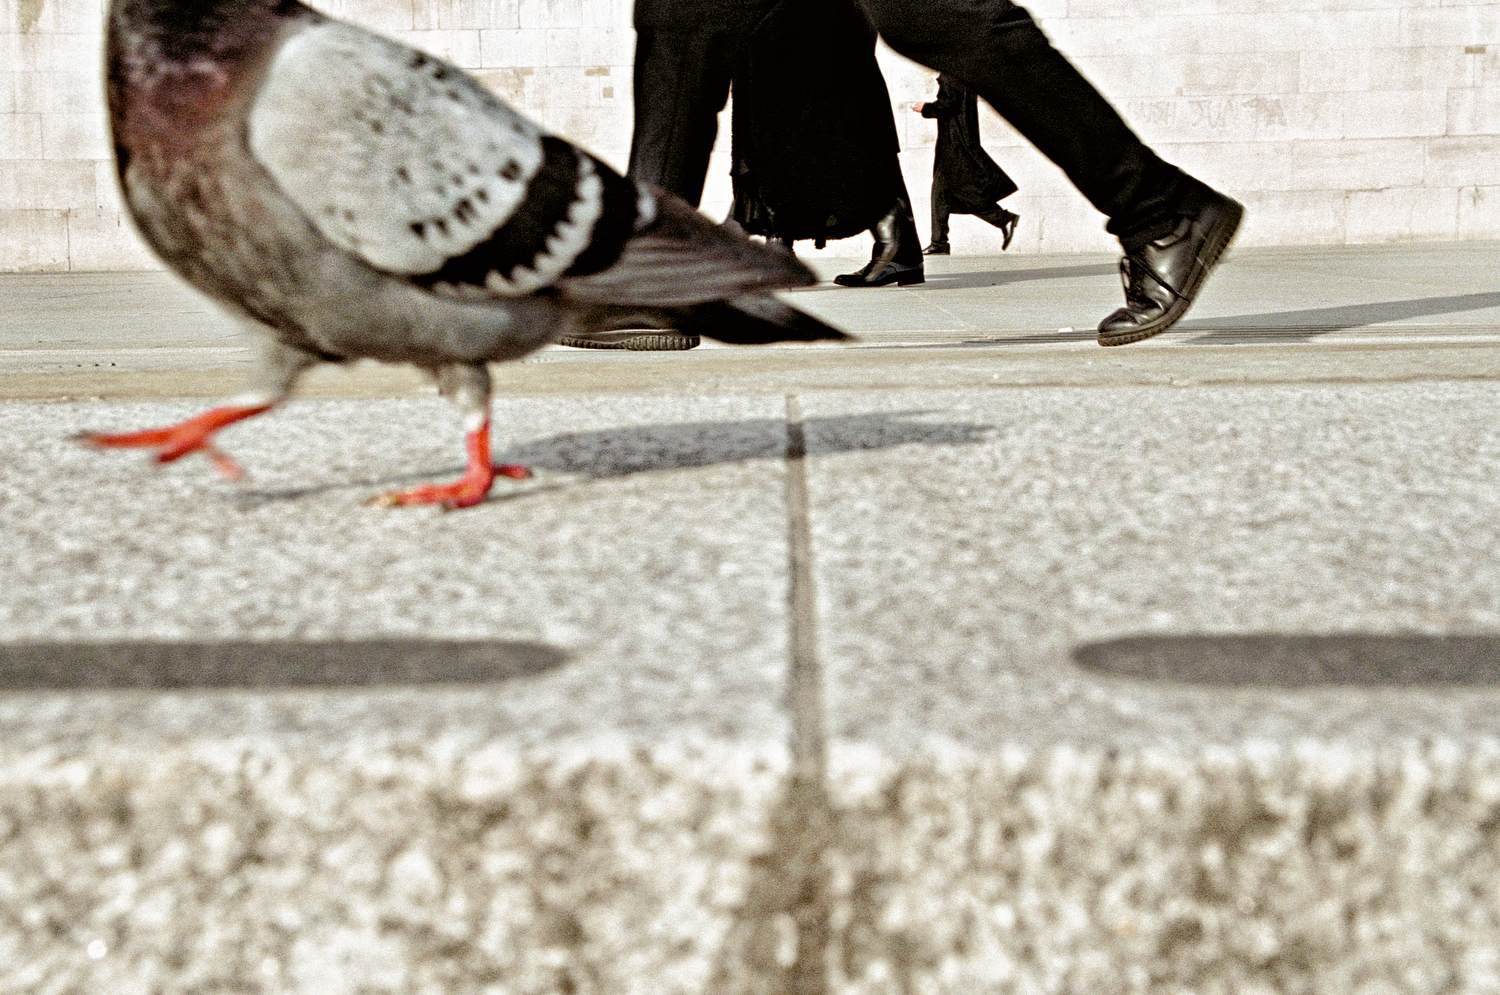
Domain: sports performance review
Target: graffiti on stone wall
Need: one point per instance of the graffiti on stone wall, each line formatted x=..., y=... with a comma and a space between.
x=1232, y=114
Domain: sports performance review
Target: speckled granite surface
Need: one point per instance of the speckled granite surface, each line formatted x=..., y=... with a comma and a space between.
x=1107, y=685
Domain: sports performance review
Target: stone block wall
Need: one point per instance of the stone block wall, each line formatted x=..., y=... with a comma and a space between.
x=1336, y=121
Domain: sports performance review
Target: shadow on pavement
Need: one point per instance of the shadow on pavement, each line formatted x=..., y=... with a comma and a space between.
x=1001, y=277
x=1286, y=661
x=620, y=452
x=1292, y=326
x=163, y=665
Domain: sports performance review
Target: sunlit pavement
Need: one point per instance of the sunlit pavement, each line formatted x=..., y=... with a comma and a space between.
x=972, y=657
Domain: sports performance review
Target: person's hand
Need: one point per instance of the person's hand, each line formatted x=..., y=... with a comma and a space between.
x=918, y=107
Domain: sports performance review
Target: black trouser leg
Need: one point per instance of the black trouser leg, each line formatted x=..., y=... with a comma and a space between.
x=681, y=84
x=939, y=209
x=996, y=49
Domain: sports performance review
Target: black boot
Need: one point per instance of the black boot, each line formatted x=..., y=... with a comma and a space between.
x=897, y=255
x=939, y=245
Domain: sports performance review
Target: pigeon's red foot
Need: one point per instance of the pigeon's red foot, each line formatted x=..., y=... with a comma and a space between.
x=468, y=490
x=173, y=442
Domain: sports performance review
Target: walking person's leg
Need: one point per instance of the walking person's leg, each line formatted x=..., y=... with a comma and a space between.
x=684, y=59
x=1005, y=220
x=681, y=85
x=1173, y=227
x=939, y=244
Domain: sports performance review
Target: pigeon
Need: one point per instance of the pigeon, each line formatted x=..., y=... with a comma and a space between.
x=349, y=197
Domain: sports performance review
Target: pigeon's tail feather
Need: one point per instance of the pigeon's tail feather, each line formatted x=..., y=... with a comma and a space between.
x=754, y=319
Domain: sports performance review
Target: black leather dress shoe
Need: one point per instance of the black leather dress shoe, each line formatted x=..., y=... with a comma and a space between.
x=1007, y=228
x=878, y=274
x=1162, y=277
x=937, y=249
x=1005, y=220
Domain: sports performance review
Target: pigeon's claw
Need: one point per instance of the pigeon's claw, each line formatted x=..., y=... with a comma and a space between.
x=172, y=442
x=465, y=492
x=468, y=490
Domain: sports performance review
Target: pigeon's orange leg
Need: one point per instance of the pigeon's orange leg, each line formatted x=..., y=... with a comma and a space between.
x=194, y=435
x=467, y=490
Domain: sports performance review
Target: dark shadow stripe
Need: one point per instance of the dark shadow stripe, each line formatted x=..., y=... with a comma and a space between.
x=1300, y=661
x=1001, y=277
x=1309, y=322
x=622, y=451
x=269, y=664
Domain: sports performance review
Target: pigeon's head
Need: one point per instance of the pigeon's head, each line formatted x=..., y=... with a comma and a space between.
x=179, y=31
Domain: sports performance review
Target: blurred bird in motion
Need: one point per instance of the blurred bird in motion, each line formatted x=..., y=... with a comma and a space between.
x=349, y=197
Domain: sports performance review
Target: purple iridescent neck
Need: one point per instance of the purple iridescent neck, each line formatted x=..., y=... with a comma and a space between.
x=179, y=31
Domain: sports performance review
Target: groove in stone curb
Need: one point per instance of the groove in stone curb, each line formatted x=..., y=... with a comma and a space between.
x=779, y=942
x=805, y=686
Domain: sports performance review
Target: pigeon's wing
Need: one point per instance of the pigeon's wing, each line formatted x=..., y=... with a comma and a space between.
x=412, y=165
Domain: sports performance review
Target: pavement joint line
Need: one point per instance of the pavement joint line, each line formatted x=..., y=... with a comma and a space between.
x=778, y=943
x=810, y=825
x=806, y=675
x=968, y=326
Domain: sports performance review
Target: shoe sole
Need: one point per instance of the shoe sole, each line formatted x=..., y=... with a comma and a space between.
x=900, y=279
x=633, y=341
x=1218, y=241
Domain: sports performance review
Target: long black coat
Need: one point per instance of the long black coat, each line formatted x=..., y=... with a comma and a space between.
x=973, y=180
x=815, y=147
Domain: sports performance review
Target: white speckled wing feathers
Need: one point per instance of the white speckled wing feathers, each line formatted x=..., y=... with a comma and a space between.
x=411, y=165
x=393, y=155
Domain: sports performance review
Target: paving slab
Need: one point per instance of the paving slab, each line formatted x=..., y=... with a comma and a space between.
x=1200, y=824
x=389, y=838
x=971, y=658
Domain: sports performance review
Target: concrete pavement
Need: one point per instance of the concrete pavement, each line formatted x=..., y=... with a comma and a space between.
x=971, y=658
